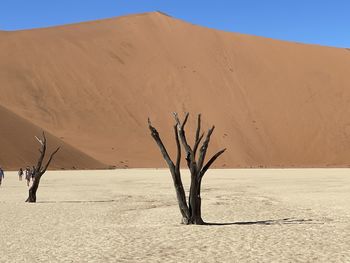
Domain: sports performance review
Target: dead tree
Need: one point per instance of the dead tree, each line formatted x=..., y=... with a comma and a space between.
x=39, y=169
x=191, y=210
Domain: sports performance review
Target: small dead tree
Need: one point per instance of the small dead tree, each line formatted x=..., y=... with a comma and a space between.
x=39, y=169
x=191, y=211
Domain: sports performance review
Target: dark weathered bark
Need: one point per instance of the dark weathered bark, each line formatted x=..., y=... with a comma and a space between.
x=191, y=211
x=39, y=169
x=32, y=190
x=174, y=169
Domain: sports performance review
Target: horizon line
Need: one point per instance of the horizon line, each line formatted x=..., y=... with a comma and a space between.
x=172, y=17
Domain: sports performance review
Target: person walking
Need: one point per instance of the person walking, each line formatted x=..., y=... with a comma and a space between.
x=33, y=173
x=2, y=175
x=20, y=174
x=27, y=175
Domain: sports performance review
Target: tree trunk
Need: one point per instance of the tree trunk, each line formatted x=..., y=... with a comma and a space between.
x=195, y=203
x=181, y=197
x=32, y=190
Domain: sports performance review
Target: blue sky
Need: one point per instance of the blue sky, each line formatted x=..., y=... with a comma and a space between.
x=324, y=22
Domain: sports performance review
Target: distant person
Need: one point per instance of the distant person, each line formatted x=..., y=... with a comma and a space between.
x=27, y=175
x=33, y=173
x=2, y=175
x=20, y=174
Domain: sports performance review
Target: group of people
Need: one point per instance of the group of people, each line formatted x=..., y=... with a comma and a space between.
x=28, y=174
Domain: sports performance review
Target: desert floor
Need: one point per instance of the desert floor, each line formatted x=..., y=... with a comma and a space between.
x=282, y=215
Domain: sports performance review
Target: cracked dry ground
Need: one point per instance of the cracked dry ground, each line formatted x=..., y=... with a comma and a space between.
x=265, y=215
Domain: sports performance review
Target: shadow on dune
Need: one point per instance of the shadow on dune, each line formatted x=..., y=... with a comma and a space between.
x=284, y=221
x=77, y=201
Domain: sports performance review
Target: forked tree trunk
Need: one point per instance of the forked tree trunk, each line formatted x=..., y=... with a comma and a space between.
x=191, y=210
x=39, y=169
x=195, y=204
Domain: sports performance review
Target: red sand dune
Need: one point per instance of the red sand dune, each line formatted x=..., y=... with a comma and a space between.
x=20, y=148
x=94, y=84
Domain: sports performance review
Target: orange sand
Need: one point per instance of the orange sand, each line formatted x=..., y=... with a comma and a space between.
x=274, y=103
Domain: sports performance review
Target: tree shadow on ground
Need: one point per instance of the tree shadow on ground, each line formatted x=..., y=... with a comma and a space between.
x=284, y=221
x=78, y=201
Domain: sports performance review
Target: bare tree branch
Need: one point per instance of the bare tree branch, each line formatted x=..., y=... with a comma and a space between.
x=198, y=127
x=160, y=144
x=197, y=138
x=210, y=162
x=40, y=141
x=42, y=151
x=178, y=145
x=204, y=148
x=44, y=138
x=176, y=116
x=195, y=147
x=49, y=161
x=182, y=135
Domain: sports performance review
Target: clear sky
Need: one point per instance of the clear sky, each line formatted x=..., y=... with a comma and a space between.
x=325, y=22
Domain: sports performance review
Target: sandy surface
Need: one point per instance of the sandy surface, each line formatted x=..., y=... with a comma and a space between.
x=132, y=216
x=93, y=85
x=20, y=148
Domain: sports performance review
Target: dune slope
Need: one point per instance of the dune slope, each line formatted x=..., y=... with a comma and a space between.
x=274, y=103
x=19, y=148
